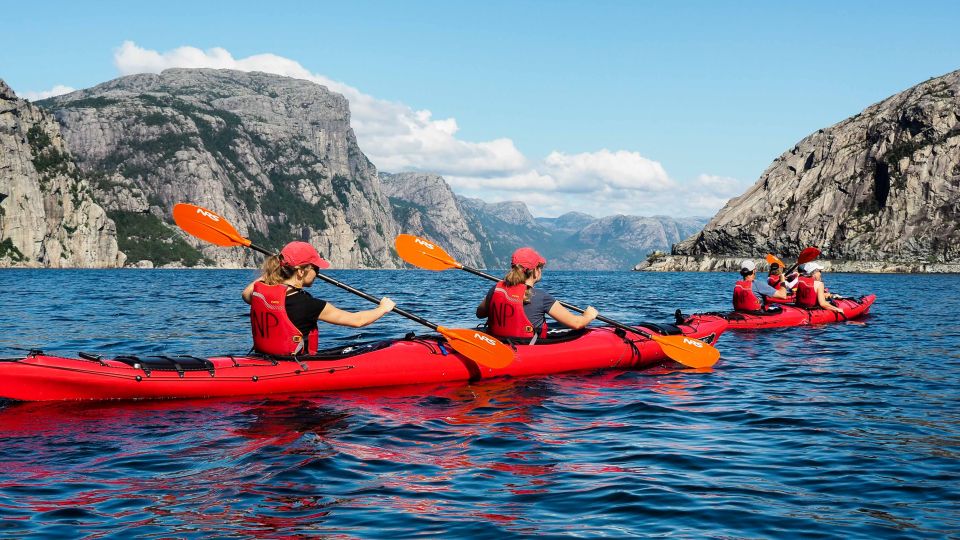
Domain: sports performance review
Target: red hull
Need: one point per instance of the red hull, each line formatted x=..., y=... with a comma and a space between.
x=422, y=360
x=791, y=315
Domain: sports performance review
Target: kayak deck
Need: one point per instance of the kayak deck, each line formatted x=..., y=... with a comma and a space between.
x=412, y=360
x=786, y=315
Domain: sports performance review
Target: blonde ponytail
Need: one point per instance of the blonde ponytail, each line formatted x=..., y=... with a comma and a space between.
x=275, y=272
x=518, y=275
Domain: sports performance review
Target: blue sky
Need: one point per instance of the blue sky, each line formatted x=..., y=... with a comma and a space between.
x=604, y=107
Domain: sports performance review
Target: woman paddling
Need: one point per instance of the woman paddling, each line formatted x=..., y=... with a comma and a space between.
x=282, y=313
x=746, y=291
x=810, y=290
x=514, y=309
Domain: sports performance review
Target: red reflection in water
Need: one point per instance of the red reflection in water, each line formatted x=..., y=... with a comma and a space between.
x=221, y=457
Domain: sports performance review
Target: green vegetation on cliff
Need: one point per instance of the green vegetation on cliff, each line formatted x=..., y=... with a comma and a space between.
x=144, y=237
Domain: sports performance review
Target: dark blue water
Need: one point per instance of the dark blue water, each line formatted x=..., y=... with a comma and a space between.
x=840, y=431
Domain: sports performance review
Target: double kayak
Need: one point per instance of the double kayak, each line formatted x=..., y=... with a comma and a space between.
x=411, y=360
x=784, y=315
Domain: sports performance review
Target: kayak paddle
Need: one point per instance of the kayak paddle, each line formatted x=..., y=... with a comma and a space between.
x=684, y=350
x=808, y=254
x=474, y=344
x=771, y=258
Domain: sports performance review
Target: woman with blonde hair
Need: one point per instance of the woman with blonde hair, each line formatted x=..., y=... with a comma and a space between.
x=283, y=316
x=515, y=309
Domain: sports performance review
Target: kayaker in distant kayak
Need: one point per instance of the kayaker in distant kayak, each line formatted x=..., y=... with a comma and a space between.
x=515, y=309
x=776, y=279
x=283, y=316
x=810, y=290
x=746, y=291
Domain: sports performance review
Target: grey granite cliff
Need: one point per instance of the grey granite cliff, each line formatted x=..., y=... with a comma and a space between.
x=47, y=215
x=879, y=191
x=274, y=155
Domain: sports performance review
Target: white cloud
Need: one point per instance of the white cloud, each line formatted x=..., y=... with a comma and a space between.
x=398, y=138
x=57, y=90
x=393, y=135
x=606, y=170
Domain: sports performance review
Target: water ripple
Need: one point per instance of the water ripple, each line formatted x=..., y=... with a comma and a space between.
x=840, y=431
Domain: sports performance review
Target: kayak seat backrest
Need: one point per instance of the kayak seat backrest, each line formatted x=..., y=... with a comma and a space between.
x=662, y=328
x=559, y=334
x=335, y=353
x=179, y=363
x=740, y=315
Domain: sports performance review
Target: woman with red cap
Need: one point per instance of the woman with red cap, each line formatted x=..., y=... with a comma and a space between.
x=283, y=316
x=514, y=309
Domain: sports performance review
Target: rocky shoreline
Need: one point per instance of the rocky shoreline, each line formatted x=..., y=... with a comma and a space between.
x=684, y=263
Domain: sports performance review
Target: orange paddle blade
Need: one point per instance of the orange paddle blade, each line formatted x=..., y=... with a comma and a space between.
x=808, y=254
x=771, y=258
x=423, y=253
x=207, y=225
x=482, y=348
x=688, y=351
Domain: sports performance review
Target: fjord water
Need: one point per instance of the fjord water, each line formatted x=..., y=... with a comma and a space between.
x=839, y=431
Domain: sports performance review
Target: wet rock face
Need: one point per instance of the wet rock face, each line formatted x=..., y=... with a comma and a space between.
x=48, y=217
x=882, y=187
x=276, y=156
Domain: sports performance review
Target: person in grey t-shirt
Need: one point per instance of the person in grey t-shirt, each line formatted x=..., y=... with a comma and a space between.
x=501, y=304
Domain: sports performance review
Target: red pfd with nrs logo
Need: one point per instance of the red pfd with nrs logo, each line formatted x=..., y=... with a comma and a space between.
x=273, y=331
x=505, y=315
x=807, y=292
x=744, y=298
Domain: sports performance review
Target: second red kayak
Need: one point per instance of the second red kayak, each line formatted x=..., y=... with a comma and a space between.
x=785, y=315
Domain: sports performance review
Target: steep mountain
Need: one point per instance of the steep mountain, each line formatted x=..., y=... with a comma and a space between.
x=617, y=242
x=47, y=215
x=569, y=223
x=879, y=191
x=573, y=240
x=274, y=155
x=424, y=205
x=501, y=228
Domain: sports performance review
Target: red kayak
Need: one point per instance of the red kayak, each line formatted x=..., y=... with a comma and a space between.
x=783, y=315
x=426, y=359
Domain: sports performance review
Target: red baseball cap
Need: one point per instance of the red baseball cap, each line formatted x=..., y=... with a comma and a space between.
x=527, y=257
x=300, y=253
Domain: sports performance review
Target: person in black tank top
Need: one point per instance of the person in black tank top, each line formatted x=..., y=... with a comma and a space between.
x=296, y=267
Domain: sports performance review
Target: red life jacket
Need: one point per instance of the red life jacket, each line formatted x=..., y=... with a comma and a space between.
x=806, y=293
x=505, y=315
x=775, y=281
x=743, y=297
x=273, y=331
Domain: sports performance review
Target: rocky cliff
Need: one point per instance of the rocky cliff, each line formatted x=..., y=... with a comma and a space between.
x=424, y=205
x=47, y=215
x=879, y=191
x=274, y=155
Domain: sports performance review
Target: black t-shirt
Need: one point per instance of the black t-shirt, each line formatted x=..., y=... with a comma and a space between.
x=303, y=310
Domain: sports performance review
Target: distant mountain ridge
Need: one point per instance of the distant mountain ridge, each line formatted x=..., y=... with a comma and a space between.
x=274, y=155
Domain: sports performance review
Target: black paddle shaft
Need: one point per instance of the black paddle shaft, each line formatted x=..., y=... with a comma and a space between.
x=571, y=307
x=359, y=293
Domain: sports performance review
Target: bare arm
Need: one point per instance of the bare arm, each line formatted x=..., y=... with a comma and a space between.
x=482, y=309
x=822, y=299
x=247, y=293
x=334, y=315
x=781, y=293
x=566, y=318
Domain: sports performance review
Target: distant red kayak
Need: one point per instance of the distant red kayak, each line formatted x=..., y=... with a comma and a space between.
x=426, y=359
x=790, y=315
